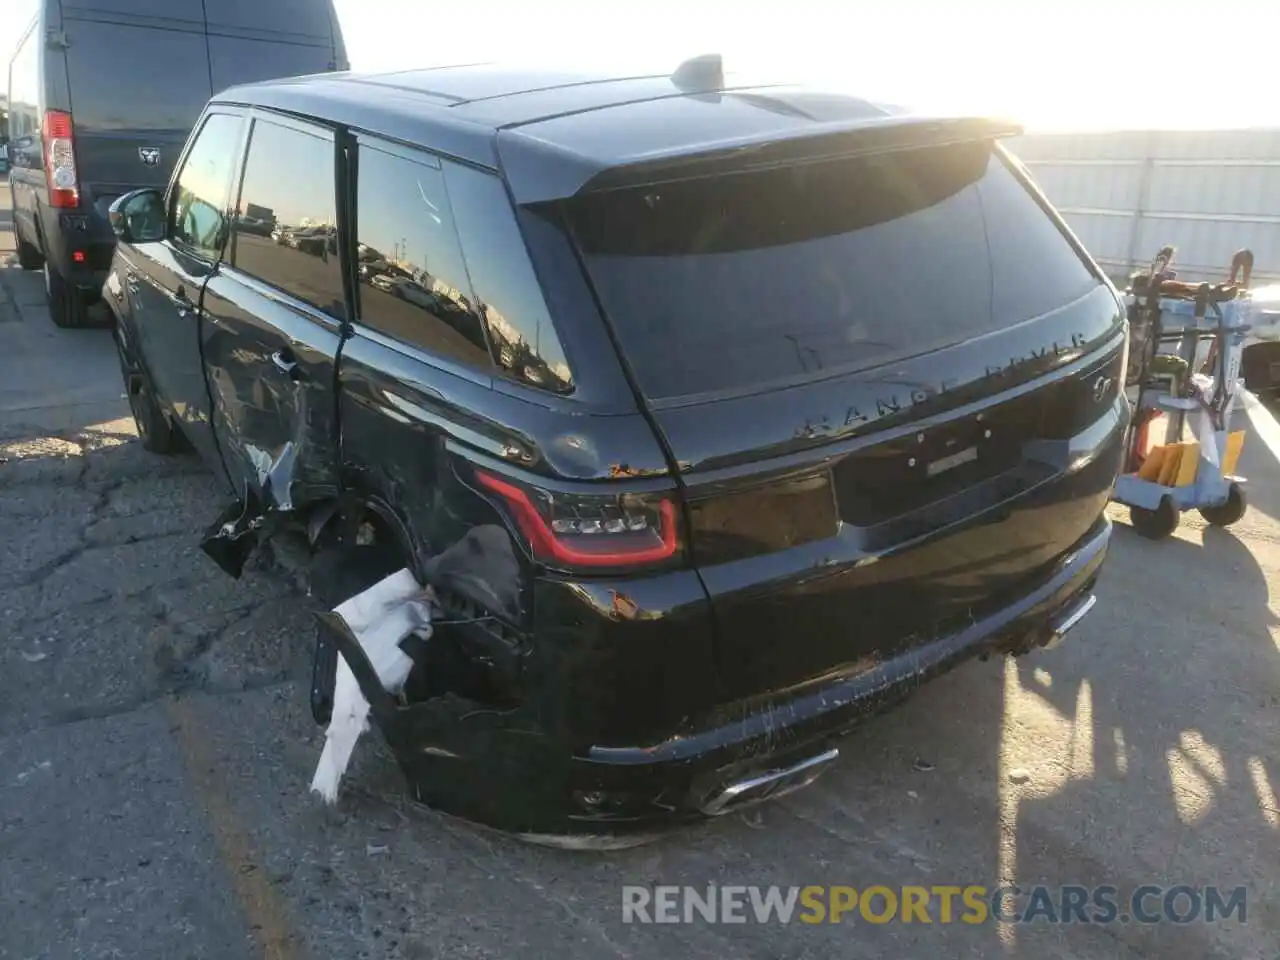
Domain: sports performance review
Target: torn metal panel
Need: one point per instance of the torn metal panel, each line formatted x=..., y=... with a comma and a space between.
x=271, y=378
x=275, y=473
x=377, y=620
x=483, y=566
x=231, y=539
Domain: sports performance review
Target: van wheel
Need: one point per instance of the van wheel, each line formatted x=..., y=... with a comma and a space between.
x=154, y=429
x=29, y=257
x=67, y=306
x=1227, y=513
x=1155, y=524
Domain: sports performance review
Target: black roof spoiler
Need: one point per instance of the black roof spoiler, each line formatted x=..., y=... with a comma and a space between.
x=538, y=171
x=881, y=136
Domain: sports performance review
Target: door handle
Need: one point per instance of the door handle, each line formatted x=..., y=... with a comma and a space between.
x=283, y=361
x=181, y=301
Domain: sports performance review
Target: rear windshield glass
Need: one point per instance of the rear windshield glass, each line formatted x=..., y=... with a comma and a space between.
x=738, y=282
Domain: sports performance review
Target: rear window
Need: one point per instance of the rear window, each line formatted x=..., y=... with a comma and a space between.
x=744, y=281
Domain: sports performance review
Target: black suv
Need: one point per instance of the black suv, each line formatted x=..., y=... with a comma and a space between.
x=757, y=406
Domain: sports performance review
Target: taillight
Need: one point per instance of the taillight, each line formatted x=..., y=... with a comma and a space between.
x=591, y=530
x=60, y=160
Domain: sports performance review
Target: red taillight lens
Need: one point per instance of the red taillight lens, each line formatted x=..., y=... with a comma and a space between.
x=591, y=530
x=60, y=160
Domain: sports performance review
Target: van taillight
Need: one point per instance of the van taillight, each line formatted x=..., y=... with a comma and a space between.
x=591, y=530
x=60, y=160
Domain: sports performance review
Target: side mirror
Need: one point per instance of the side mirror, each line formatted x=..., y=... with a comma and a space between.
x=138, y=216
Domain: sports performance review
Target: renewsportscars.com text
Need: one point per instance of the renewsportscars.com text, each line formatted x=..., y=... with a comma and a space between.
x=973, y=904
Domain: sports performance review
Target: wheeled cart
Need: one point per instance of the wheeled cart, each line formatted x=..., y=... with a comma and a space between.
x=1186, y=342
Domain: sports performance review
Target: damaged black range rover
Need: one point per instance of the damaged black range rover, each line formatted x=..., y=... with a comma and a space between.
x=753, y=408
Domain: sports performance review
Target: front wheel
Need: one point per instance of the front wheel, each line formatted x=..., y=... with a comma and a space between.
x=1229, y=512
x=1155, y=524
x=154, y=429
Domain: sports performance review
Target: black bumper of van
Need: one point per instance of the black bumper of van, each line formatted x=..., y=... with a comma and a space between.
x=79, y=245
x=495, y=768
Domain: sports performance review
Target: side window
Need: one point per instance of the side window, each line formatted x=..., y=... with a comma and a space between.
x=286, y=230
x=525, y=344
x=413, y=283
x=197, y=217
x=24, y=92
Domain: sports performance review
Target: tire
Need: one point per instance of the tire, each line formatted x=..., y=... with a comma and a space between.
x=68, y=307
x=29, y=257
x=154, y=429
x=1155, y=524
x=1225, y=514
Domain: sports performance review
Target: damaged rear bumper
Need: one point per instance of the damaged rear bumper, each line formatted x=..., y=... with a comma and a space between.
x=501, y=768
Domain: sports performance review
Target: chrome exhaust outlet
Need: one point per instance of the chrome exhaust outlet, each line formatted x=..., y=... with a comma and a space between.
x=768, y=786
x=1062, y=624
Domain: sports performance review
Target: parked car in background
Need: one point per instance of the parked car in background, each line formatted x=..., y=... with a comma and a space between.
x=102, y=96
x=759, y=407
x=4, y=158
x=1260, y=359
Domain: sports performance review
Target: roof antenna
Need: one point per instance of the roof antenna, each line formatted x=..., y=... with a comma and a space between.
x=705, y=72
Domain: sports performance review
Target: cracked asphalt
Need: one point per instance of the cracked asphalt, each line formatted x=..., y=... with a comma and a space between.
x=156, y=747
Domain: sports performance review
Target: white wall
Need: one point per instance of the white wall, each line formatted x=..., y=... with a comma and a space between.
x=1127, y=194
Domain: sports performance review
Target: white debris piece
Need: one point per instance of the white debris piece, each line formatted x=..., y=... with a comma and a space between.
x=380, y=618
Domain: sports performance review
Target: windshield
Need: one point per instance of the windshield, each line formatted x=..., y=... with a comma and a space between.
x=751, y=280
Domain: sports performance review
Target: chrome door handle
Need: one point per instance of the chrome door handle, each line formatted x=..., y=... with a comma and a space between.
x=283, y=361
x=183, y=304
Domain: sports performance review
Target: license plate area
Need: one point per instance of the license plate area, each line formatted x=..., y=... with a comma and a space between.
x=899, y=476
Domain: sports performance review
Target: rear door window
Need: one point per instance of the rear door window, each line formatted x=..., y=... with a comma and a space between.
x=24, y=89
x=738, y=283
x=525, y=344
x=413, y=282
x=286, y=230
x=198, y=214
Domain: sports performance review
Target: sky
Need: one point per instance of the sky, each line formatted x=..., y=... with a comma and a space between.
x=1086, y=64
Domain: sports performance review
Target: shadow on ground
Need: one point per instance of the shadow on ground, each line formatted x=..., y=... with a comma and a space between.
x=1142, y=751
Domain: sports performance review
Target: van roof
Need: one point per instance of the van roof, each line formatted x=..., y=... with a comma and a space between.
x=555, y=133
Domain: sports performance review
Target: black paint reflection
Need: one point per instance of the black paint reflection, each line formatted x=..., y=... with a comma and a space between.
x=524, y=340
x=285, y=222
x=413, y=283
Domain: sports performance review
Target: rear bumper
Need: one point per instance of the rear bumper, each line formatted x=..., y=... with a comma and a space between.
x=775, y=733
x=78, y=244
x=827, y=708
x=510, y=770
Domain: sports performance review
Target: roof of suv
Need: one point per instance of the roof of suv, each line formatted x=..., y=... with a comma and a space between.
x=551, y=131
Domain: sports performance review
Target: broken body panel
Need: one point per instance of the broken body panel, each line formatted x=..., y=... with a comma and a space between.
x=789, y=557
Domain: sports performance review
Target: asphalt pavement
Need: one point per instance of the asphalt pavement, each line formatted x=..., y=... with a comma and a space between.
x=156, y=747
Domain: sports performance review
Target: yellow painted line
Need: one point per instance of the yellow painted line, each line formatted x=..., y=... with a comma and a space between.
x=266, y=912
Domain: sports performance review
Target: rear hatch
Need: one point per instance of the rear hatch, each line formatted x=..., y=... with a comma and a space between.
x=868, y=371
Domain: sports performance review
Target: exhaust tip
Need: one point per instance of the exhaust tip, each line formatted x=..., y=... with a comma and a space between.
x=768, y=786
x=1062, y=624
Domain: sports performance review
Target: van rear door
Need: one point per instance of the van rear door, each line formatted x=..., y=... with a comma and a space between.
x=250, y=40
x=137, y=71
